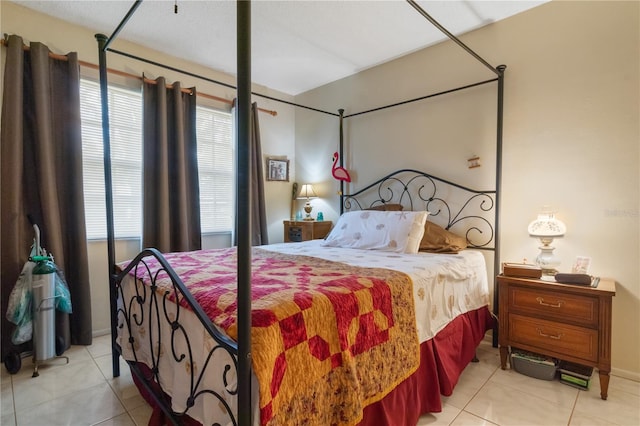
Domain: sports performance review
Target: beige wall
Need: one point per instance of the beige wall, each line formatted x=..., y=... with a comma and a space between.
x=571, y=136
x=277, y=132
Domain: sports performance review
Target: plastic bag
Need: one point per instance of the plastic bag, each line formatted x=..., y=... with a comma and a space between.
x=19, y=309
x=63, y=297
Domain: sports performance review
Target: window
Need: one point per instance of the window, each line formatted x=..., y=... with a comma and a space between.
x=215, y=163
x=125, y=109
x=215, y=169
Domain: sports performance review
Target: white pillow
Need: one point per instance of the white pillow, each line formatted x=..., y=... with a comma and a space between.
x=396, y=231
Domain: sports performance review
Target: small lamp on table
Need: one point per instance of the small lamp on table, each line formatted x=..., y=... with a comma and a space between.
x=546, y=227
x=307, y=192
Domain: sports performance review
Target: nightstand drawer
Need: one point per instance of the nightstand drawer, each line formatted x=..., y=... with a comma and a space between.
x=295, y=234
x=305, y=230
x=564, y=339
x=565, y=307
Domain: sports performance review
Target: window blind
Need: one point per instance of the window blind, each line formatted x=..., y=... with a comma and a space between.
x=216, y=156
x=215, y=169
x=125, y=121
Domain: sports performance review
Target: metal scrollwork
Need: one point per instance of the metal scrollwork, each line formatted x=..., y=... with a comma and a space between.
x=152, y=306
x=463, y=210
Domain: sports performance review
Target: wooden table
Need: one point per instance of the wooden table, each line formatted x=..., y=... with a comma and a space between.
x=567, y=322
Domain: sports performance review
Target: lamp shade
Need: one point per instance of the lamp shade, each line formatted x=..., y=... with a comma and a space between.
x=306, y=191
x=546, y=225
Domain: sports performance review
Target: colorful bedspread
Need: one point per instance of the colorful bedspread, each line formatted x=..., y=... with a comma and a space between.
x=327, y=338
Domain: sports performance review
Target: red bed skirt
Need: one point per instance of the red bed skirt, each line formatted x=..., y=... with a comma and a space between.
x=442, y=360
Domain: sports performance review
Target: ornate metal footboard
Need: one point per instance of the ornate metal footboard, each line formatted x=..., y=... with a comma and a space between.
x=467, y=211
x=148, y=316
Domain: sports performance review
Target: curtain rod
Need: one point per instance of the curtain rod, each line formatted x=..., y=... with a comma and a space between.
x=137, y=77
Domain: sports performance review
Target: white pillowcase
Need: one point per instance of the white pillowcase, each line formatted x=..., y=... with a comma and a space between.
x=395, y=231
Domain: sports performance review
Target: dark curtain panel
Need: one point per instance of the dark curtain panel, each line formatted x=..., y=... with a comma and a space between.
x=171, y=196
x=41, y=176
x=259, y=235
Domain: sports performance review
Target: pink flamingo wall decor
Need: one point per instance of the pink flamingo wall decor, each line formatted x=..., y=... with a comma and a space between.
x=339, y=172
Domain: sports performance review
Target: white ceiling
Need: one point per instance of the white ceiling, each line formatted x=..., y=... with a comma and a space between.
x=296, y=45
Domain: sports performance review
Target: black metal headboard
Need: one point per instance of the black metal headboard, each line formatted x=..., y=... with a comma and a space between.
x=455, y=207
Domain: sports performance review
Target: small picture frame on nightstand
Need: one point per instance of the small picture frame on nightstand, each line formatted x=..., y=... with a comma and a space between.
x=581, y=265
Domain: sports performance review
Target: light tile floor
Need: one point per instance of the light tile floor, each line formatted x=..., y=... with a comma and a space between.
x=84, y=393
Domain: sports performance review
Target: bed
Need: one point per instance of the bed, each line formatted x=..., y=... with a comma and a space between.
x=218, y=357
x=366, y=330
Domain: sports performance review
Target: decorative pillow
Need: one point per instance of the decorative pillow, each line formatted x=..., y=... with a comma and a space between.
x=438, y=240
x=387, y=207
x=394, y=231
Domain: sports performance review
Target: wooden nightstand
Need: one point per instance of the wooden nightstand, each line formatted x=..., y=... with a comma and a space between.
x=305, y=230
x=568, y=322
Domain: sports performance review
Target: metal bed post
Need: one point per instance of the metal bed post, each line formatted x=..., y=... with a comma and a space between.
x=496, y=254
x=341, y=151
x=103, y=44
x=499, y=71
x=108, y=193
x=243, y=30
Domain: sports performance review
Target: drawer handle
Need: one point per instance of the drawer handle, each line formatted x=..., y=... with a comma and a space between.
x=551, y=305
x=557, y=337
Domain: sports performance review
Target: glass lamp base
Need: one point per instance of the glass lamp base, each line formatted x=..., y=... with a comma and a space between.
x=547, y=261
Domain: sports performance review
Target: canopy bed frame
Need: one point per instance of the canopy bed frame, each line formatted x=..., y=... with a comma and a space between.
x=238, y=354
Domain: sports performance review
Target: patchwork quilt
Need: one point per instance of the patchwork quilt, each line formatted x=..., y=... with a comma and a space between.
x=327, y=338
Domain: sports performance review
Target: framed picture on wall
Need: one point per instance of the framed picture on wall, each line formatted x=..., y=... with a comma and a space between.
x=278, y=169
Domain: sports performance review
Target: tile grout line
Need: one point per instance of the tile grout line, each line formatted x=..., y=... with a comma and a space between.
x=464, y=409
x=108, y=380
x=573, y=408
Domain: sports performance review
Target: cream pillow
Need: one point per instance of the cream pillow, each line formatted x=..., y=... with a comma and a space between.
x=395, y=231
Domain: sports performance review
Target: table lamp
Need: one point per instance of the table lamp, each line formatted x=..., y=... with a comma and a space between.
x=546, y=227
x=307, y=192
